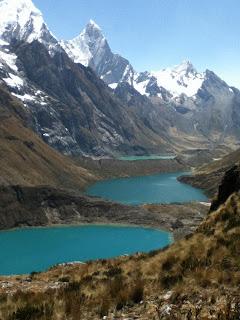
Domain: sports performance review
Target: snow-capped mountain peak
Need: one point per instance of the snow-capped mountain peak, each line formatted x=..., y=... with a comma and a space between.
x=92, y=32
x=185, y=67
x=89, y=47
x=180, y=79
x=21, y=20
x=93, y=24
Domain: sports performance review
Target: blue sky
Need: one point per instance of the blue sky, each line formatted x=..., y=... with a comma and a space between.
x=154, y=34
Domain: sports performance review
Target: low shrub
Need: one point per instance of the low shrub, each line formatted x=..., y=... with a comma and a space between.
x=72, y=286
x=137, y=293
x=169, y=263
x=113, y=271
x=191, y=262
x=27, y=312
x=169, y=280
x=64, y=279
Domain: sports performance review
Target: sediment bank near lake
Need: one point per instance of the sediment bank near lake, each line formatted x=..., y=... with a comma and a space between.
x=42, y=206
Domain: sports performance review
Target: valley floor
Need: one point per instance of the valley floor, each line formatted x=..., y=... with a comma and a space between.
x=89, y=291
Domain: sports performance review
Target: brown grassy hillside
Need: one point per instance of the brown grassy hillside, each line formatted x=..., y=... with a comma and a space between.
x=25, y=159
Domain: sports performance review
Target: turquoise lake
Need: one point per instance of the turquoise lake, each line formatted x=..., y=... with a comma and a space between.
x=157, y=188
x=36, y=249
x=27, y=250
x=151, y=157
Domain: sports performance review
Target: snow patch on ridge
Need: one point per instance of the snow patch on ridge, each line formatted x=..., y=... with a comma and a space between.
x=141, y=87
x=13, y=81
x=94, y=24
x=77, y=51
x=8, y=59
x=113, y=85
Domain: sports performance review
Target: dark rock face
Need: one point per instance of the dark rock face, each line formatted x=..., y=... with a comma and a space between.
x=156, y=115
x=211, y=117
x=214, y=104
x=230, y=184
x=25, y=158
x=117, y=69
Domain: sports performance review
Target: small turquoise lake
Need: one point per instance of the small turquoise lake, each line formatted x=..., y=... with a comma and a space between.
x=151, y=157
x=36, y=249
x=157, y=188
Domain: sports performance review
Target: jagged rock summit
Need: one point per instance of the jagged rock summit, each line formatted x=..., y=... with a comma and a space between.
x=91, y=48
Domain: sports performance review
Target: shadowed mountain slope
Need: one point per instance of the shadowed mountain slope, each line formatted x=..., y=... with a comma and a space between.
x=25, y=159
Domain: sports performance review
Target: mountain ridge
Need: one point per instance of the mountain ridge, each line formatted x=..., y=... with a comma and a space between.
x=179, y=79
x=48, y=82
x=158, y=120
x=208, y=104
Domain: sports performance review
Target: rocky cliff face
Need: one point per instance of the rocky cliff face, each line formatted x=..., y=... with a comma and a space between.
x=229, y=185
x=73, y=110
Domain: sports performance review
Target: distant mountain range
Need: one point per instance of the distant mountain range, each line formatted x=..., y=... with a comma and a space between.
x=73, y=110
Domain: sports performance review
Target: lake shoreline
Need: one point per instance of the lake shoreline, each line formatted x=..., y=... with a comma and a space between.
x=106, y=168
x=53, y=208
